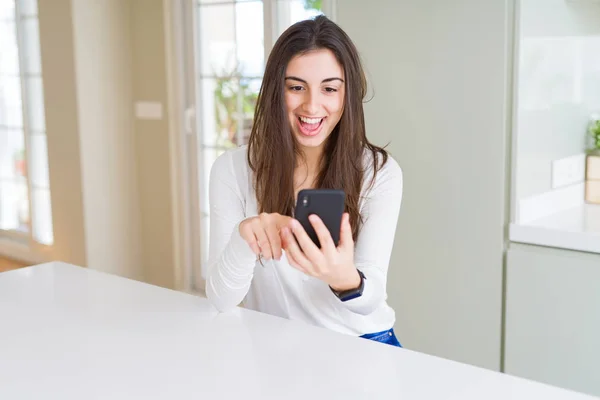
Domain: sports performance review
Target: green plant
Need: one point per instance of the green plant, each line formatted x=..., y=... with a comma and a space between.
x=594, y=131
x=229, y=90
x=313, y=4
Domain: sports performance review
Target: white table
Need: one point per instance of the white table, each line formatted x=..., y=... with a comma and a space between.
x=71, y=333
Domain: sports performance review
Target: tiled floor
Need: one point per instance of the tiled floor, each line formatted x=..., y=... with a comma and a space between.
x=7, y=265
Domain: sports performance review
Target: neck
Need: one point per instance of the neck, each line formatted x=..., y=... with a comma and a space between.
x=307, y=168
x=311, y=158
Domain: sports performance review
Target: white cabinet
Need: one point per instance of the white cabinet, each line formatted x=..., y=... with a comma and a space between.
x=553, y=317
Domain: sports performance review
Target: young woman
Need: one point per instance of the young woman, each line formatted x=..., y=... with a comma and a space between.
x=308, y=132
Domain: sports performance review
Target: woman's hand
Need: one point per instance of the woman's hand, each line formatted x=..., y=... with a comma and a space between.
x=262, y=233
x=333, y=265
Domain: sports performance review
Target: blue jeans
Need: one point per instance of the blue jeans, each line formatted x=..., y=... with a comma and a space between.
x=387, y=337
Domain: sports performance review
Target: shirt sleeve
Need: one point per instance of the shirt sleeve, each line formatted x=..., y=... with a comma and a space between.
x=373, y=247
x=231, y=261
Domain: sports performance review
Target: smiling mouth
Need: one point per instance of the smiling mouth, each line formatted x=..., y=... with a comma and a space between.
x=310, y=126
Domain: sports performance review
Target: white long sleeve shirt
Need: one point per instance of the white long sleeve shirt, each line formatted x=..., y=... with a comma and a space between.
x=235, y=276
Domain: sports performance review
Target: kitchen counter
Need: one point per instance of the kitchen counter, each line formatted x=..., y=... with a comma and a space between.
x=576, y=228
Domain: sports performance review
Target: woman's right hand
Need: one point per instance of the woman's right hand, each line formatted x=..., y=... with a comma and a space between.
x=262, y=233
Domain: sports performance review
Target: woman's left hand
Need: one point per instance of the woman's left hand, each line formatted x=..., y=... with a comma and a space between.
x=331, y=264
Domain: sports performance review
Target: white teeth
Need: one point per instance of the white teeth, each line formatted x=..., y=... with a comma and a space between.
x=310, y=120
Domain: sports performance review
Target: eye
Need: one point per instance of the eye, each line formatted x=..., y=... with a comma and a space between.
x=330, y=90
x=296, y=88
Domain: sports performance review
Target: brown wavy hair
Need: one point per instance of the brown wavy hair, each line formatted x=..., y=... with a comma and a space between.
x=272, y=148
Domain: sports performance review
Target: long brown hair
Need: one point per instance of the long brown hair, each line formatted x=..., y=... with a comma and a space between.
x=272, y=148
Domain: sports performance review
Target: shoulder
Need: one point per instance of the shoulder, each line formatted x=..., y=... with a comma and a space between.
x=231, y=162
x=230, y=170
x=387, y=173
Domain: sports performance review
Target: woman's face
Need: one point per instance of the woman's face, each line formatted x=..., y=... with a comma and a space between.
x=314, y=96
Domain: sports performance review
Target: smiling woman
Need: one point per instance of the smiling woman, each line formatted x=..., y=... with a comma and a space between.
x=318, y=70
x=308, y=133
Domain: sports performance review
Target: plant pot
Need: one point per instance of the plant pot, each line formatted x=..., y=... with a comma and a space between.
x=592, y=176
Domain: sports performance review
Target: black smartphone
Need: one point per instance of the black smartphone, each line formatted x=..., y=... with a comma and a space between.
x=327, y=204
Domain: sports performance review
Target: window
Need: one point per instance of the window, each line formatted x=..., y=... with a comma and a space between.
x=25, y=211
x=232, y=40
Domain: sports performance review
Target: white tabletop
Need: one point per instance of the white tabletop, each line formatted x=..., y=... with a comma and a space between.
x=71, y=333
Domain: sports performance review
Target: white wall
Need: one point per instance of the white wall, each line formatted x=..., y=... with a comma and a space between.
x=439, y=74
x=104, y=92
x=110, y=173
x=62, y=126
x=559, y=86
x=86, y=63
x=152, y=147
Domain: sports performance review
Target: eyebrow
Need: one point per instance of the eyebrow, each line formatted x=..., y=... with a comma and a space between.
x=295, y=78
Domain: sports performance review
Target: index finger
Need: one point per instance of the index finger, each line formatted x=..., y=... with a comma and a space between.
x=275, y=240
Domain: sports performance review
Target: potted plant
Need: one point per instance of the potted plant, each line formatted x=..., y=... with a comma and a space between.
x=594, y=131
x=592, y=184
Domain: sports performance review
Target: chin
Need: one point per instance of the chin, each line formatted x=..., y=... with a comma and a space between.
x=311, y=142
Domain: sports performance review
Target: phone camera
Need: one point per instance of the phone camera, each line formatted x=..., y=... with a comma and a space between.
x=305, y=201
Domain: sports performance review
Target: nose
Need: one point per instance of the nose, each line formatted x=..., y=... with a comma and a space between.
x=311, y=102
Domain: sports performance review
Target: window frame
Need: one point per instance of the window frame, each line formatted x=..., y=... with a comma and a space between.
x=19, y=244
